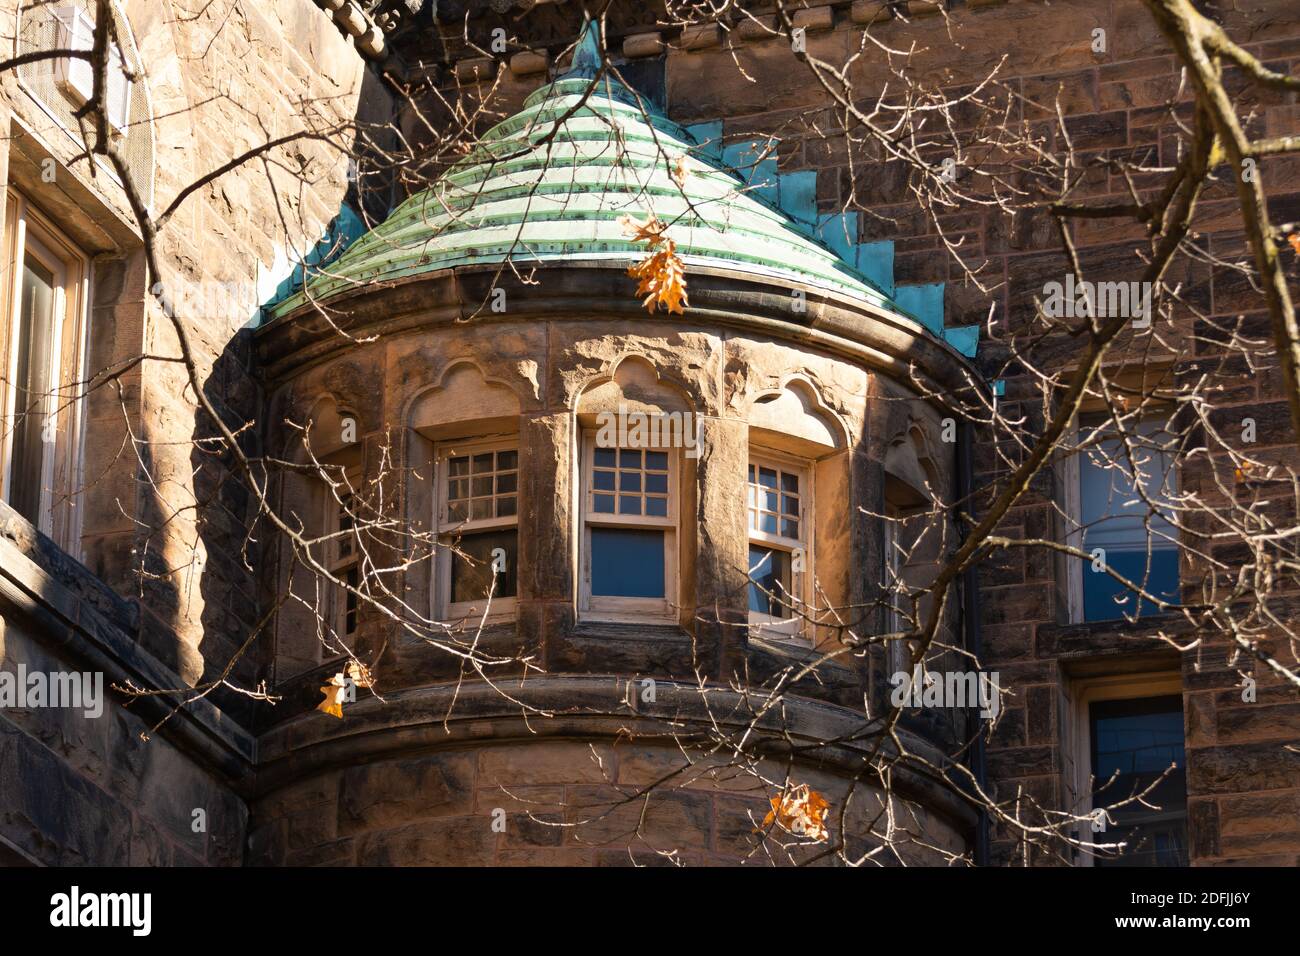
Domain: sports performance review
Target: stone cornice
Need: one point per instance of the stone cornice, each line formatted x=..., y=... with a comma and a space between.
x=600, y=290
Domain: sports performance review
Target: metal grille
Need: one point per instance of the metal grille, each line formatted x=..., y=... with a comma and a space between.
x=38, y=30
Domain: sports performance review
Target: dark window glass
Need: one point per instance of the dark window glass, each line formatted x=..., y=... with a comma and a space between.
x=35, y=350
x=1118, y=521
x=769, y=581
x=1137, y=740
x=1105, y=599
x=627, y=563
x=471, y=570
x=353, y=579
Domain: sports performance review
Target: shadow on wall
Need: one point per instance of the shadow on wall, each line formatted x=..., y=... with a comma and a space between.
x=236, y=577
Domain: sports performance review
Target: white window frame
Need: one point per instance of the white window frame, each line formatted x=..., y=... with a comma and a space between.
x=471, y=612
x=342, y=551
x=628, y=609
x=33, y=234
x=898, y=655
x=796, y=627
x=1085, y=691
x=76, y=77
x=1074, y=532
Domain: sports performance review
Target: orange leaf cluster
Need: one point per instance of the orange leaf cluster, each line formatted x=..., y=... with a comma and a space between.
x=800, y=811
x=1294, y=239
x=336, y=688
x=679, y=169
x=661, y=275
x=335, y=691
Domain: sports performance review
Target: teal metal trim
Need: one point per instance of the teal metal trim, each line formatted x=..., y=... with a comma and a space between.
x=552, y=182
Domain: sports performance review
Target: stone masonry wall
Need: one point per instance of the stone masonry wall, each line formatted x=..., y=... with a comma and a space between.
x=1243, y=784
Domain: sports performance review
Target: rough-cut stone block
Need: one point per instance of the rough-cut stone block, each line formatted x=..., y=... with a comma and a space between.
x=701, y=36
x=476, y=70
x=870, y=11
x=526, y=62
x=643, y=44
x=398, y=791
x=758, y=28
x=816, y=20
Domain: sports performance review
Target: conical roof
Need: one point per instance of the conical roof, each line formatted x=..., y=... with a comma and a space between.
x=552, y=182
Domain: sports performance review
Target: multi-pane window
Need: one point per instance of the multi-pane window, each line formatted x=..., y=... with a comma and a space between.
x=76, y=76
x=1134, y=744
x=629, y=506
x=1121, y=530
x=777, y=496
x=898, y=653
x=43, y=355
x=478, y=529
x=343, y=554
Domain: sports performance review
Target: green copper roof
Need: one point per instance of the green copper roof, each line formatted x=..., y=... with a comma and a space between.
x=551, y=182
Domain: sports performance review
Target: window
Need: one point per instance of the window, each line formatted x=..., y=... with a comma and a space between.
x=76, y=77
x=1118, y=528
x=898, y=655
x=629, y=532
x=1134, y=742
x=478, y=528
x=1122, y=733
x=43, y=358
x=778, y=494
x=343, y=554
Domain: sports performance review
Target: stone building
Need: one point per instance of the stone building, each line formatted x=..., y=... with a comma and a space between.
x=455, y=367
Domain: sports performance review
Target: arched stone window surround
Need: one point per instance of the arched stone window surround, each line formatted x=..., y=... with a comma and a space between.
x=912, y=537
x=659, y=417
x=462, y=419
x=794, y=435
x=318, y=622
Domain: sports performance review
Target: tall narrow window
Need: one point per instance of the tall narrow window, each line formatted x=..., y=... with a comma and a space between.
x=629, y=532
x=343, y=553
x=44, y=354
x=778, y=494
x=76, y=76
x=898, y=654
x=478, y=528
x=1134, y=744
x=1121, y=531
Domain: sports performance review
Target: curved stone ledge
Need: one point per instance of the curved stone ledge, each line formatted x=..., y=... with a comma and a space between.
x=428, y=719
x=600, y=289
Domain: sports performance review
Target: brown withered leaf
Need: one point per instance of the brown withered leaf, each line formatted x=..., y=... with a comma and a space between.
x=679, y=170
x=662, y=280
x=801, y=811
x=335, y=690
x=360, y=674
x=661, y=275
x=651, y=231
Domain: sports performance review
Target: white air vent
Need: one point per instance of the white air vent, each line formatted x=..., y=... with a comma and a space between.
x=76, y=77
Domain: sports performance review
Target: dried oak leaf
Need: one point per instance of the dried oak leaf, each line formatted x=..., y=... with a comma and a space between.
x=360, y=674
x=661, y=275
x=679, y=170
x=335, y=690
x=801, y=811
x=651, y=231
